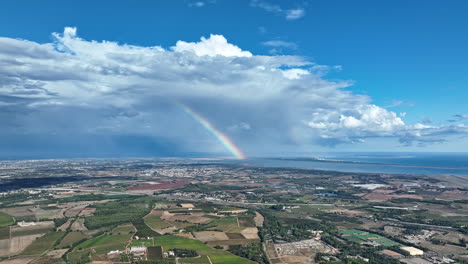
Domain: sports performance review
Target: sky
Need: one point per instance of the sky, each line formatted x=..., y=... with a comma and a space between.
x=257, y=77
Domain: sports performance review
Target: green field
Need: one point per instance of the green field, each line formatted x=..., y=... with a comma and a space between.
x=142, y=242
x=216, y=255
x=4, y=233
x=180, y=225
x=143, y=230
x=43, y=243
x=160, y=206
x=116, y=213
x=201, y=260
x=100, y=245
x=71, y=238
x=351, y=232
x=353, y=239
x=124, y=229
x=104, y=240
x=76, y=255
x=6, y=219
x=226, y=224
x=360, y=236
x=367, y=236
x=229, y=259
x=155, y=222
x=386, y=242
x=169, y=241
x=313, y=209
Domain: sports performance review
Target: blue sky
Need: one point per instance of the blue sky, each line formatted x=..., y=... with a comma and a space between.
x=406, y=56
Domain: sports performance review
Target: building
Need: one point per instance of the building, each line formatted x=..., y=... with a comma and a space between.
x=113, y=254
x=412, y=251
x=359, y=257
x=138, y=251
x=23, y=223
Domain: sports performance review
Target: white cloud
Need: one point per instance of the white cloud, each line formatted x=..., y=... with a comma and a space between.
x=356, y=121
x=294, y=74
x=200, y=3
x=280, y=43
x=86, y=87
x=213, y=46
x=396, y=103
x=289, y=14
x=294, y=14
x=69, y=32
x=266, y=6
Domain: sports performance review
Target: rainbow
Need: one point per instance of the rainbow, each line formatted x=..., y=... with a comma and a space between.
x=222, y=138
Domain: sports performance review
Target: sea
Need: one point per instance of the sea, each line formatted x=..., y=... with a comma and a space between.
x=394, y=163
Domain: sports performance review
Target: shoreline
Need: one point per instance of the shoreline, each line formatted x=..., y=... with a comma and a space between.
x=368, y=163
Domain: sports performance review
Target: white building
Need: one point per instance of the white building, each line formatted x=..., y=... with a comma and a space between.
x=23, y=223
x=412, y=251
x=138, y=251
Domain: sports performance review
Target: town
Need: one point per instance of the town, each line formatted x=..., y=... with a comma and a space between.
x=212, y=211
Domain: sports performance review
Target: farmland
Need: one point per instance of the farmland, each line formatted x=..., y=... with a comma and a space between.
x=226, y=213
x=6, y=219
x=155, y=222
x=43, y=243
x=226, y=224
x=216, y=255
x=113, y=214
x=124, y=229
x=71, y=238
x=359, y=236
x=229, y=259
x=104, y=240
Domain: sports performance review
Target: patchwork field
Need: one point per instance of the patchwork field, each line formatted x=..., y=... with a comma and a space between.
x=87, y=211
x=74, y=211
x=43, y=243
x=19, y=211
x=71, y=238
x=155, y=222
x=78, y=225
x=105, y=240
x=206, y=236
x=100, y=245
x=228, y=224
x=216, y=255
x=229, y=259
x=124, y=229
x=65, y=225
x=250, y=233
x=16, y=244
x=38, y=228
